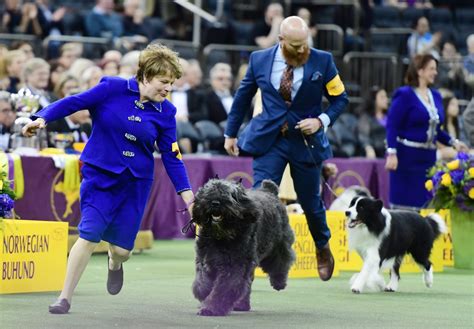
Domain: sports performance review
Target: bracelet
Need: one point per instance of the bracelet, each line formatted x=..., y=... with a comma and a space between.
x=454, y=141
x=391, y=151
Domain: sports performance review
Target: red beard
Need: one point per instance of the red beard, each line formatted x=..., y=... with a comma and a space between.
x=293, y=58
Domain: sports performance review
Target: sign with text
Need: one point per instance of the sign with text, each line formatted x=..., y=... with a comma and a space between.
x=33, y=255
x=305, y=265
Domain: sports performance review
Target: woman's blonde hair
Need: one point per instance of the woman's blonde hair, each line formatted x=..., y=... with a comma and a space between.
x=158, y=60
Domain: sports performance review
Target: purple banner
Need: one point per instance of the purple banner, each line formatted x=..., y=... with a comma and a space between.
x=45, y=198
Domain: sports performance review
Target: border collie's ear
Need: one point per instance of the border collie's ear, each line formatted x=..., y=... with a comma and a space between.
x=379, y=204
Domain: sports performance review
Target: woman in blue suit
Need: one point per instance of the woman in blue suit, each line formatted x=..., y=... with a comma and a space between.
x=128, y=118
x=413, y=128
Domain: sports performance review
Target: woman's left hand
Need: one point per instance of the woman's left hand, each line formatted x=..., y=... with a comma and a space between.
x=461, y=146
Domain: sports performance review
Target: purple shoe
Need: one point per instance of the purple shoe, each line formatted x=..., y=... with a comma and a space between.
x=114, y=280
x=60, y=306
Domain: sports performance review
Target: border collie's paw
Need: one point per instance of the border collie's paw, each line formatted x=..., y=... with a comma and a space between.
x=389, y=289
x=355, y=291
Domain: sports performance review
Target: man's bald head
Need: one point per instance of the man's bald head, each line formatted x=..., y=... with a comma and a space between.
x=293, y=37
x=294, y=28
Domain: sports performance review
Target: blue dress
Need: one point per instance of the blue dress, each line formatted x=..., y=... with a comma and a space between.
x=118, y=158
x=413, y=128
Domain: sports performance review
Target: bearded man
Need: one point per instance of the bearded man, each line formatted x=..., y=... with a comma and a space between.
x=291, y=128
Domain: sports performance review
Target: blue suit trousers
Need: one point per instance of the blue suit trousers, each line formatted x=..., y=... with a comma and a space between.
x=306, y=180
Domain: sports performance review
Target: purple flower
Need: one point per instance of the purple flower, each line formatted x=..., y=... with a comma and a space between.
x=437, y=177
x=467, y=187
x=463, y=156
x=457, y=175
x=6, y=204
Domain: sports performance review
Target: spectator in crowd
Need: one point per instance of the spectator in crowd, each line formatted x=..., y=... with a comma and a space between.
x=14, y=62
x=452, y=124
x=189, y=109
x=51, y=20
x=450, y=71
x=67, y=85
x=129, y=64
x=343, y=136
x=56, y=72
x=3, y=50
x=133, y=19
x=468, y=120
x=413, y=128
x=21, y=18
x=421, y=41
x=11, y=17
x=69, y=52
x=372, y=122
x=90, y=77
x=119, y=157
x=110, y=67
x=24, y=46
x=219, y=97
x=7, y=119
x=78, y=124
x=291, y=127
x=305, y=14
x=469, y=61
x=79, y=66
x=113, y=55
x=102, y=21
x=36, y=76
x=265, y=32
x=194, y=74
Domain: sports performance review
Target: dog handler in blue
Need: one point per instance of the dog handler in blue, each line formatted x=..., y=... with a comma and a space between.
x=128, y=118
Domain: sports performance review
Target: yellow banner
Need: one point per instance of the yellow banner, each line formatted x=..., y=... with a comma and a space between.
x=33, y=255
x=305, y=265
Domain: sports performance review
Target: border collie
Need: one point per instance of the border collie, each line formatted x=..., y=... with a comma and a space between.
x=382, y=238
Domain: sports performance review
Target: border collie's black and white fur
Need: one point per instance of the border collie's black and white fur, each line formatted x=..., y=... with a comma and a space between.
x=383, y=237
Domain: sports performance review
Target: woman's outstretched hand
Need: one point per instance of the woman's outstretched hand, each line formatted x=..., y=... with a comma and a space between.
x=31, y=128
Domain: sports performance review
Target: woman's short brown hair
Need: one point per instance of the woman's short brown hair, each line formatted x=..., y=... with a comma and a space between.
x=417, y=63
x=158, y=60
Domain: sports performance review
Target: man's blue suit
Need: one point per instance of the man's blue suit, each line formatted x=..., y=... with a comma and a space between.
x=262, y=138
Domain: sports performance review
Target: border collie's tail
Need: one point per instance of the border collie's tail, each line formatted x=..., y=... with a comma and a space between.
x=269, y=186
x=437, y=224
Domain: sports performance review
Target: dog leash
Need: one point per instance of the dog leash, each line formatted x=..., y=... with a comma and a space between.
x=316, y=164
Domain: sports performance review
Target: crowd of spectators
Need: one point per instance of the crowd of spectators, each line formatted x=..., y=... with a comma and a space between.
x=203, y=96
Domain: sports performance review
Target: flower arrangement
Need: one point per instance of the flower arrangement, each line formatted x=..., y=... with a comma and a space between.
x=452, y=183
x=7, y=196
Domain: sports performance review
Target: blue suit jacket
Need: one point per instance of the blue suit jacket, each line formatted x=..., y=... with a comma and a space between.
x=124, y=130
x=320, y=75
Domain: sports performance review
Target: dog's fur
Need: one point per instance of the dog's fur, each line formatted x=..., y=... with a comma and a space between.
x=343, y=201
x=239, y=230
x=383, y=237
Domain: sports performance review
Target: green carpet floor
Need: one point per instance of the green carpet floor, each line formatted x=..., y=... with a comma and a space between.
x=157, y=294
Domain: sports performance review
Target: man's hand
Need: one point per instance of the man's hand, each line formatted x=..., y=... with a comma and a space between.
x=231, y=147
x=31, y=128
x=309, y=126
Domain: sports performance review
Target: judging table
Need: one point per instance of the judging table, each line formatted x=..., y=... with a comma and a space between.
x=45, y=198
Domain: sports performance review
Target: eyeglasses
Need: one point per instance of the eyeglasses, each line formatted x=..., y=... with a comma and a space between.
x=6, y=110
x=223, y=78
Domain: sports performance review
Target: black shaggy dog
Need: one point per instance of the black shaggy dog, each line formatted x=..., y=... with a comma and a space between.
x=239, y=230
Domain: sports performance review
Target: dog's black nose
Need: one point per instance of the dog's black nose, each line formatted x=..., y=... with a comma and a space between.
x=215, y=203
x=348, y=213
